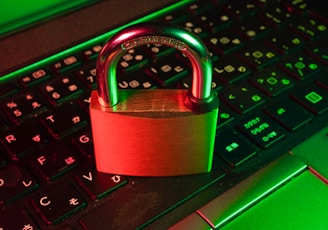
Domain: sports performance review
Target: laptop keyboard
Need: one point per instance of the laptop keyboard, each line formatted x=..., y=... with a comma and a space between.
x=269, y=71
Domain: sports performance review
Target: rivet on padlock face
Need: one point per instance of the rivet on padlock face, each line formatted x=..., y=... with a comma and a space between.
x=160, y=132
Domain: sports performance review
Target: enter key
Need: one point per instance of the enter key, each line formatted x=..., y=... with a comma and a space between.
x=314, y=153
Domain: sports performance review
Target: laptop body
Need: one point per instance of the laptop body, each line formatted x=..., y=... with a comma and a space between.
x=227, y=198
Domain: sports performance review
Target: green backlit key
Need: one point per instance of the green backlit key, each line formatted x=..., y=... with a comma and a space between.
x=233, y=149
x=277, y=15
x=319, y=51
x=243, y=98
x=311, y=28
x=261, y=130
x=312, y=97
x=226, y=115
x=272, y=81
x=258, y=56
x=300, y=66
x=289, y=114
x=286, y=41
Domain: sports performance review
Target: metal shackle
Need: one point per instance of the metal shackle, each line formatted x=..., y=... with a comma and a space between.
x=199, y=97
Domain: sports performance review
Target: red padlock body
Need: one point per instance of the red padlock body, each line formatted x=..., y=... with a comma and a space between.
x=152, y=133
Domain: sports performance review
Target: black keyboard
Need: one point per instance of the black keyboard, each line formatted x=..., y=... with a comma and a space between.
x=270, y=74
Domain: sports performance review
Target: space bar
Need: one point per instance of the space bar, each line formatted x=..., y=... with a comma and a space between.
x=224, y=208
x=147, y=201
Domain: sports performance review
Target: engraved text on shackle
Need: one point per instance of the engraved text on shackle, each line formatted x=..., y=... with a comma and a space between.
x=154, y=40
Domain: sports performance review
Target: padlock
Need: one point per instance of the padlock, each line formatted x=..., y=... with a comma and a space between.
x=153, y=132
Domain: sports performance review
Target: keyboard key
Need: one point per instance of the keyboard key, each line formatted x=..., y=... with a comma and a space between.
x=289, y=114
x=253, y=28
x=278, y=15
x=138, y=79
x=24, y=106
x=187, y=82
x=233, y=149
x=54, y=160
x=310, y=28
x=156, y=193
x=34, y=77
x=157, y=51
x=230, y=70
x=92, y=53
x=167, y=71
x=300, y=66
x=16, y=217
x=225, y=42
x=243, y=98
x=194, y=27
x=84, y=101
x=88, y=75
x=261, y=130
x=55, y=205
x=97, y=184
x=226, y=115
x=272, y=82
x=312, y=98
x=175, y=16
x=65, y=64
x=23, y=139
x=285, y=42
x=319, y=51
x=64, y=119
x=15, y=182
x=83, y=141
x=62, y=89
x=258, y=55
x=134, y=58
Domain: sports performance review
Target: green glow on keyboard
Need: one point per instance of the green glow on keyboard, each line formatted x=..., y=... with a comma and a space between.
x=19, y=13
x=100, y=39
